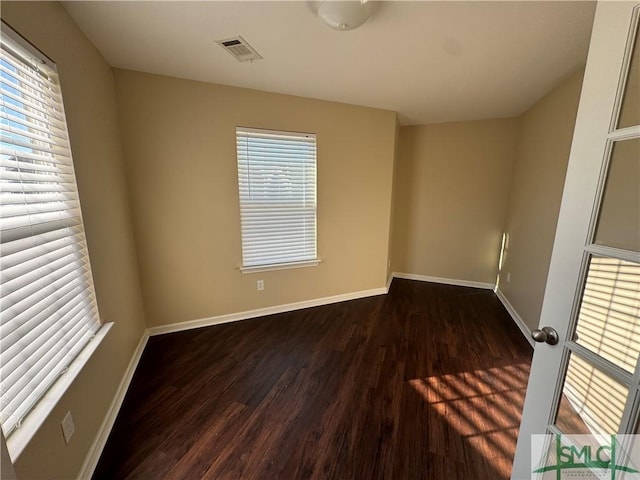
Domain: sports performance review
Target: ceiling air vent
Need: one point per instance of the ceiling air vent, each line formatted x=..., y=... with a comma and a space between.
x=240, y=49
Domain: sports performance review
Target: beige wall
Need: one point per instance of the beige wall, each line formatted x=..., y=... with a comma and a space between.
x=544, y=141
x=179, y=140
x=88, y=90
x=452, y=186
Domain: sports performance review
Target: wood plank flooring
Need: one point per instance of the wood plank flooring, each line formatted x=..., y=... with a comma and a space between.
x=426, y=382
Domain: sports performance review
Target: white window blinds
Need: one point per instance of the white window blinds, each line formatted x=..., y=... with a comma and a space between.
x=277, y=185
x=48, y=311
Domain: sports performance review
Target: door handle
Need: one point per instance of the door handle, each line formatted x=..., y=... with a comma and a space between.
x=545, y=334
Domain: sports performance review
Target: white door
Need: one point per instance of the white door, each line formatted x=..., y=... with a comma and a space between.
x=589, y=381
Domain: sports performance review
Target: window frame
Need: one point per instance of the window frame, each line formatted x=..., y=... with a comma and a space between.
x=244, y=201
x=69, y=366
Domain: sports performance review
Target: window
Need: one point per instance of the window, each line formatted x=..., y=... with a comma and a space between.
x=48, y=311
x=277, y=184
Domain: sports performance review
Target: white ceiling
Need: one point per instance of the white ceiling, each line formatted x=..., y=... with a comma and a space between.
x=429, y=61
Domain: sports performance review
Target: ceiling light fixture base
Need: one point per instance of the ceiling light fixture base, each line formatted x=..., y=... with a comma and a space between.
x=345, y=15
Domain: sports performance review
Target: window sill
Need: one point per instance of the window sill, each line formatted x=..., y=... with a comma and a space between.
x=21, y=437
x=280, y=266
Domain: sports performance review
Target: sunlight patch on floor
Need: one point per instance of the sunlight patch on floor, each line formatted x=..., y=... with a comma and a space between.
x=483, y=407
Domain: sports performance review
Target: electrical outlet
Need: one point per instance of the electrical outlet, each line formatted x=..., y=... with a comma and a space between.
x=508, y=277
x=67, y=427
x=260, y=285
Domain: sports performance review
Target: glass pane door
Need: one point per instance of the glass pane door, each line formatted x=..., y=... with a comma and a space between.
x=599, y=388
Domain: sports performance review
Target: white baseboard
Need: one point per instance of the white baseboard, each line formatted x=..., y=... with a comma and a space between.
x=91, y=460
x=446, y=281
x=517, y=319
x=389, y=282
x=261, y=312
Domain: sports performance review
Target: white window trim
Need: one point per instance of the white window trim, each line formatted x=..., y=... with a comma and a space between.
x=281, y=266
x=20, y=438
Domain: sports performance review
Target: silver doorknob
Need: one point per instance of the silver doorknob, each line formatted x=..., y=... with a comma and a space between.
x=545, y=334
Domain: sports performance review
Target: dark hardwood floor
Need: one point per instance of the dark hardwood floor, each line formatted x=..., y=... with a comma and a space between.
x=426, y=382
